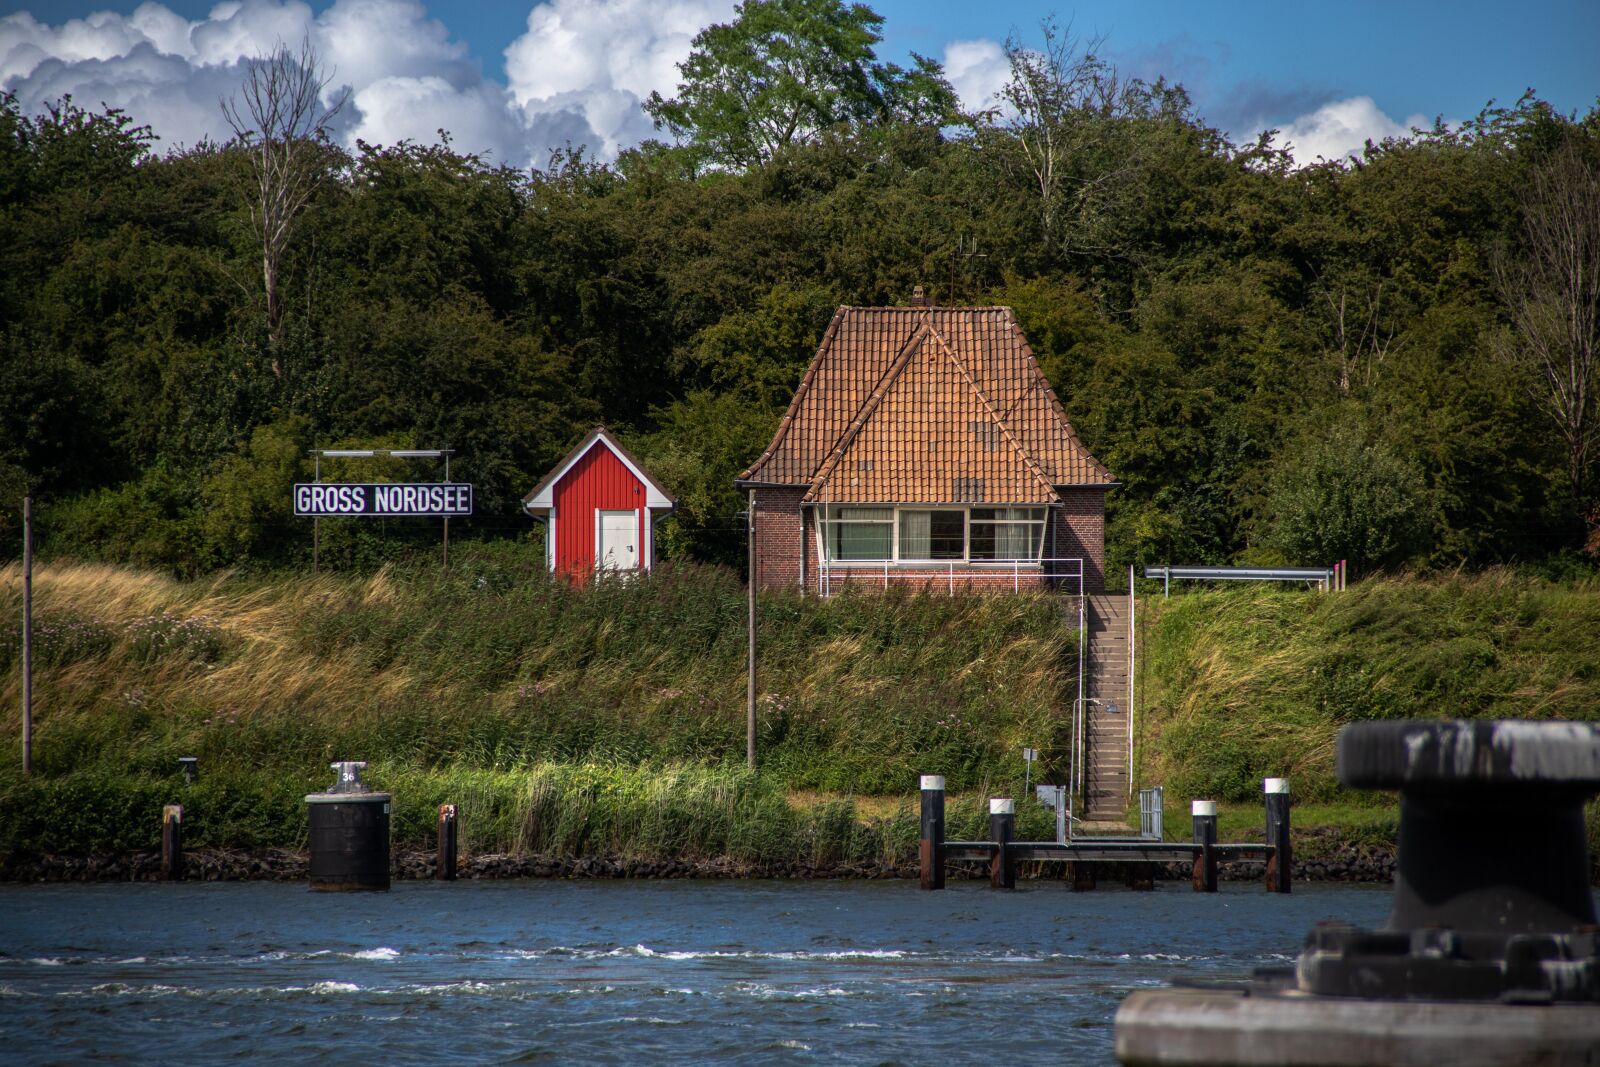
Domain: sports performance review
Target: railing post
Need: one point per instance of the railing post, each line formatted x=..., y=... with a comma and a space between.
x=1002, y=827
x=1205, y=835
x=931, y=846
x=1280, y=865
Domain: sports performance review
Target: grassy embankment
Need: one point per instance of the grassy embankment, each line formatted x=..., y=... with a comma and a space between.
x=607, y=720
x=610, y=720
x=1241, y=683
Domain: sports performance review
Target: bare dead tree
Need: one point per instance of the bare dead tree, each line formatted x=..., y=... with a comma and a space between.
x=1553, y=295
x=1050, y=88
x=1356, y=336
x=280, y=120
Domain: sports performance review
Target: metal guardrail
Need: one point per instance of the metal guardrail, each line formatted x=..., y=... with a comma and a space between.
x=1321, y=575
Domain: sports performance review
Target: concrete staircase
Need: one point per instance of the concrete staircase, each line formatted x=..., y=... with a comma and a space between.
x=1105, y=686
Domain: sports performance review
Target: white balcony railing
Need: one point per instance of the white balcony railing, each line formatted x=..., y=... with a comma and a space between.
x=1065, y=573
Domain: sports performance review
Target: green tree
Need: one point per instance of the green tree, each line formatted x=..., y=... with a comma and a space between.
x=704, y=442
x=782, y=72
x=1338, y=494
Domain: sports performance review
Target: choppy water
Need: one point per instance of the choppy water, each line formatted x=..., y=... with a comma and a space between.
x=676, y=972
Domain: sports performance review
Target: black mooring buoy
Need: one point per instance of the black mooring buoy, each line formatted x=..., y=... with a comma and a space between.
x=349, y=834
x=1491, y=954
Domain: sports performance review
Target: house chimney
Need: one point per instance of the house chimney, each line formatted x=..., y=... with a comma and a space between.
x=919, y=299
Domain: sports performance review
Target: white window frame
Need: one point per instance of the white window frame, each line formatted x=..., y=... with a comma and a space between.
x=822, y=517
x=823, y=523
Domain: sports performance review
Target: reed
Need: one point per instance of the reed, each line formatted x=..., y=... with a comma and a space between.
x=1240, y=684
x=496, y=667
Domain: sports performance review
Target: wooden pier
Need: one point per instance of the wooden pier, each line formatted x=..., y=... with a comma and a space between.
x=1001, y=853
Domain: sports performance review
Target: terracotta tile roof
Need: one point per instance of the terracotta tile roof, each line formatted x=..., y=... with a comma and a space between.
x=935, y=405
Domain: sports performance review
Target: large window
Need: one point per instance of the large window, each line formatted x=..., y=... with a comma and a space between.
x=859, y=533
x=933, y=534
x=979, y=535
x=1007, y=533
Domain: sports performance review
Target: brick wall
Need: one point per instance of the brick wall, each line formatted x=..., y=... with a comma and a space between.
x=1080, y=531
x=778, y=537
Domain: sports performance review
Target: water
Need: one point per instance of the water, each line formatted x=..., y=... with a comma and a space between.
x=609, y=972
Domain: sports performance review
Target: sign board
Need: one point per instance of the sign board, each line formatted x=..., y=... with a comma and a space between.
x=434, y=500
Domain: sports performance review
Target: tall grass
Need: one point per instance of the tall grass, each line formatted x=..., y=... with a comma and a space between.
x=495, y=674
x=1241, y=684
x=611, y=718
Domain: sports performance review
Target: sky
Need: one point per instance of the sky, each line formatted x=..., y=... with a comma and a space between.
x=515, y=80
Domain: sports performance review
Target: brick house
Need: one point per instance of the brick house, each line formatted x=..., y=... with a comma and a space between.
x=924, y=446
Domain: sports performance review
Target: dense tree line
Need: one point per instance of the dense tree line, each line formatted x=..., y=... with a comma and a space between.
x=1348, y=359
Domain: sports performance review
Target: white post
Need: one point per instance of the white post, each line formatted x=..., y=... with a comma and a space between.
x=1131, y=634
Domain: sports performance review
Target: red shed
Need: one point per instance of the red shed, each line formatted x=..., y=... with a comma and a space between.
x=600, y=508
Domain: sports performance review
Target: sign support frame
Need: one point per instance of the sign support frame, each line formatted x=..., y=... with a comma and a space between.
x=370, y=453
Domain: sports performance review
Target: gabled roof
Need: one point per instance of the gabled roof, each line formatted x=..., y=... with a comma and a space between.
x=938, y=405
x=543, y=495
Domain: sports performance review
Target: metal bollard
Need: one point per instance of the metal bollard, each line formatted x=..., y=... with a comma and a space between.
x=349, y=834
x=1490, y=954
x=1205, y=835
x=931, y=845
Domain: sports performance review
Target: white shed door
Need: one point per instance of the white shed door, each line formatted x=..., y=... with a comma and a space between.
x=618, y=546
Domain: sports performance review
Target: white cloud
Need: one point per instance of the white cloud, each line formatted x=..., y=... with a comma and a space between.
x=977, y=70
x=1342, y=128
x=602, y=59
x=577, y=75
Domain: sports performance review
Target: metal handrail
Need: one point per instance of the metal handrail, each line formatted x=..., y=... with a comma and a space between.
x=953, y=567
x=1132, y=641
x=1077, y=714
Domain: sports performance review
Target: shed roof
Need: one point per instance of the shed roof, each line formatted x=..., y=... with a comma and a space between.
x=542, y=496
x=919, y=404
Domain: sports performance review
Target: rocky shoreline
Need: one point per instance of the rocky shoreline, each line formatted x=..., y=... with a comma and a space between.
x=1334, y=862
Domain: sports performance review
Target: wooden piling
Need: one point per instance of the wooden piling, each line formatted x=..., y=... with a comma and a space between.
x=932, y=837
x=1002, y=827
x=172, y=843
x=1280, y=864
x=445, y=867
x=1205, y=835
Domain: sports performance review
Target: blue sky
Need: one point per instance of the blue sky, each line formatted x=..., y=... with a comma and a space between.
x=514, y=79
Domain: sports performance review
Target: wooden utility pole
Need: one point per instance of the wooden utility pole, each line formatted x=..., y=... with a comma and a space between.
x=750, y=657
x=27, y=635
